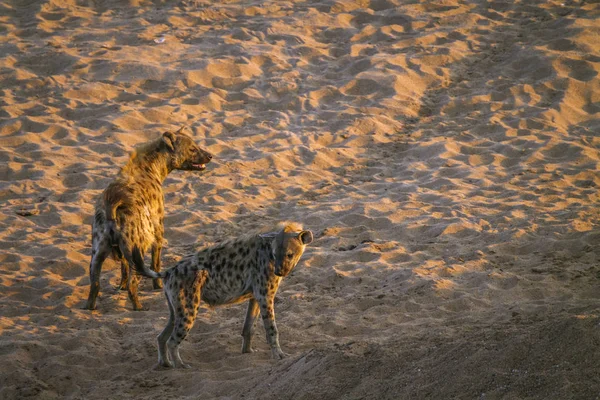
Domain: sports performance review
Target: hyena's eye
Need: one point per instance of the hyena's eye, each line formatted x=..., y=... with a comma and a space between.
x=290, y=255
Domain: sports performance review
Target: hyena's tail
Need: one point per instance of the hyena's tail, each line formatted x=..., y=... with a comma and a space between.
x=111, y=205
x=141, y=268
x=114, y=198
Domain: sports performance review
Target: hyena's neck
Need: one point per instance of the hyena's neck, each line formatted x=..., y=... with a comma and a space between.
x=154, y=166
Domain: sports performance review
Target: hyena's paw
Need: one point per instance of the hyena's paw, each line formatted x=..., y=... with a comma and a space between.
x=279, y=354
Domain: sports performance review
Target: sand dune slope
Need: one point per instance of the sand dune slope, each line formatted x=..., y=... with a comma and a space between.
x=445, y=155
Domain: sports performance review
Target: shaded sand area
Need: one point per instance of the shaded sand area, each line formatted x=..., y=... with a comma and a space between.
x=445, y=154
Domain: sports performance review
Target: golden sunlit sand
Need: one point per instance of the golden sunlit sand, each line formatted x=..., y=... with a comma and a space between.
x=445, y=154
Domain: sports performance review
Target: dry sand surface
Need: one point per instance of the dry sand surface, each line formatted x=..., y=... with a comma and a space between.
x=445, y=154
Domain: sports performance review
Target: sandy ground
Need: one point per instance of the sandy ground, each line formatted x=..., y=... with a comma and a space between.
x=445, y=154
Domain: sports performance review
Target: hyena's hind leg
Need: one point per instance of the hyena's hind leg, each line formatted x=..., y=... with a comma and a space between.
x=100, y=250
x=186, y=309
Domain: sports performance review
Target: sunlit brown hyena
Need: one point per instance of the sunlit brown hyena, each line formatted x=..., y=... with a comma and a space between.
x=130, y=211
x=247, y=268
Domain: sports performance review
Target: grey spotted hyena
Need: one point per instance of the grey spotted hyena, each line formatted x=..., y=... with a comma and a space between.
x=247, y=268
x=130, y=211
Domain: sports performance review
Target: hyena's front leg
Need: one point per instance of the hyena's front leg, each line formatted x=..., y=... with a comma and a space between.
x=124, y=275
x=126, y=246
x=163, y=355
x=267, y=312
x=248, y=329
x=132, y=291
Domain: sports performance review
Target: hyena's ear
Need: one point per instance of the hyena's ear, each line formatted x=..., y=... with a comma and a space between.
x=268, y=236
x=169, y=139
x=305, y=237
